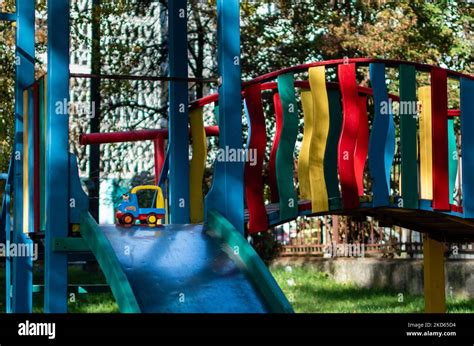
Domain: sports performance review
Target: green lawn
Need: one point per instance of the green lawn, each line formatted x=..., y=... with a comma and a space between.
x=308, y=291
x=311, y=291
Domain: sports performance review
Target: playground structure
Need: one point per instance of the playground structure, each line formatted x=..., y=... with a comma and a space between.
x=201, y=262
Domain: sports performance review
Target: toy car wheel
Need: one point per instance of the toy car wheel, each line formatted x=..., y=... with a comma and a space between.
x=127, y=219
x=152, y=219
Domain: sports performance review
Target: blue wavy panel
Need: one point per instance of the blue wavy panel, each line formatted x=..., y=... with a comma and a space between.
x=382, y=138
x=467, y=145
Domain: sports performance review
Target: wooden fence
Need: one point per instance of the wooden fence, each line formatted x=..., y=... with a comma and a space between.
x=299, y=248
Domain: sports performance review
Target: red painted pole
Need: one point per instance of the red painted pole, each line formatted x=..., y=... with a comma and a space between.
x=159, y=153
x=134, y=136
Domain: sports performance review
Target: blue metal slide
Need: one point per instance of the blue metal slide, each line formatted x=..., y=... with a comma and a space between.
x=183, y=268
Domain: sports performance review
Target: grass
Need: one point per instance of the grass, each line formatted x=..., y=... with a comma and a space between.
x=311, y=291
x=308, y=291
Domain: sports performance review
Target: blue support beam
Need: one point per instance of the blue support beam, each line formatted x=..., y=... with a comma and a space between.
x=8, y=17
x=227, y=192
x=57, y=155
x=8, y=261
x=31, y=162
x=467, y=146
x=178, y=113
x=5, y=226
x=22, y=273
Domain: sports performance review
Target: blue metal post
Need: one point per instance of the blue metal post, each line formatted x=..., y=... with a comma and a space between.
x=9, y=17
x=227, y=193
x=178, y=113
x=57, y=155
x=31, y=161
x=8, y=278
x=467, y=146
x=5, y=225
x=22, y=274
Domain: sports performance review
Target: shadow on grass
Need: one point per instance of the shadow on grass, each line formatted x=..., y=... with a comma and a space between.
x=77, y=303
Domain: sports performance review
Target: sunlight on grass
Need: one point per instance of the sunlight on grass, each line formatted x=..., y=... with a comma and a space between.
x=308, y=290
x=311, y=291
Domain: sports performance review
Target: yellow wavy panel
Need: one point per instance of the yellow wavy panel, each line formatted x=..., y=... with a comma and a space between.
x=197, y=165
x=303, y=159
x=319, y=193
x=426, y=171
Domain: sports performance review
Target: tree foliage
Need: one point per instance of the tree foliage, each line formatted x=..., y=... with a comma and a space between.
x=290, y=33
x=274, y=35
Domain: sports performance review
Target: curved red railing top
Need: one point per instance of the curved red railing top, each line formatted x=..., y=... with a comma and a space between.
x=360, y=61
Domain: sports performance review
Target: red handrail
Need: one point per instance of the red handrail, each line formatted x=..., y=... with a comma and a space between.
x=361, y=61
x=304, y=84
x=133, y=136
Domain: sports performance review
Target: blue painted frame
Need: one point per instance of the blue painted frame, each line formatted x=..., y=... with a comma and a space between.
x=31, y=159
x=178, y=146
x=5, y=227
x=8, y=261
x=22, y=275
x=227, y=192
x=57, y=156
x=9, y=17
x=467, y=145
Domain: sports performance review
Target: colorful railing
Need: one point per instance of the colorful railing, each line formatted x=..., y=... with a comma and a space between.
x=35, y=140
x=34, y=156
x=338, y=141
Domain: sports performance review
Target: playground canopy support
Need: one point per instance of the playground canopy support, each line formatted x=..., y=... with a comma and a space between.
x=57, y=156
x=144, y=78
x=178, y=113
x=227, y=191
x=22, y=274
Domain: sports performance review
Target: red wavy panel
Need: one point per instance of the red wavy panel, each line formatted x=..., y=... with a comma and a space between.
x=253, y=170
x=349, y=134
x=439, y=126
x=362, y=145
x=276, y=140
